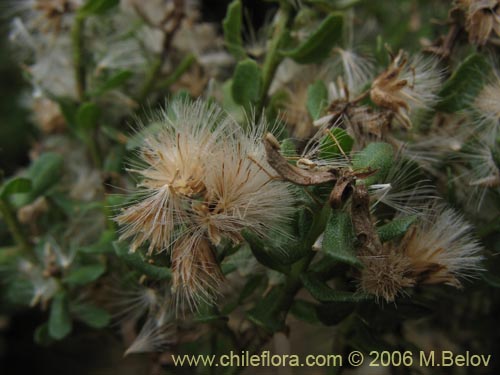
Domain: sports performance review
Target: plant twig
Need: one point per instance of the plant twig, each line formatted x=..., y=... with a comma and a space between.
x=155, y=70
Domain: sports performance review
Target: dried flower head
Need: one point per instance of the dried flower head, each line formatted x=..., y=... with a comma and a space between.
x=406, y=85
x=482, y=18
x=174, y=156
x=205, y=179
x=363, y=123
x=438, y=249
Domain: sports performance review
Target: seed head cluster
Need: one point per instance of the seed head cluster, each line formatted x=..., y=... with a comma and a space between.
x=203, y=179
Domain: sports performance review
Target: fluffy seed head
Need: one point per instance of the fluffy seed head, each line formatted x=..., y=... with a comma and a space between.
x=174, y=158
x=204, y=179
x=487, y=108
x=442, y=249
x=407, y=84
x=439, y=249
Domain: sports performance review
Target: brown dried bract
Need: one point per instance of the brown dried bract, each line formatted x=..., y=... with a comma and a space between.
x=368, y=240
x=386, y=90
x=292, y=173
x=482, y=17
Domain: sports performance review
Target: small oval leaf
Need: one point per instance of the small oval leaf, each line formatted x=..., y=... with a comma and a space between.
x=318, y=45
x=317, y=99
x=14, y=186
x=338, y=240
x=376, y=156
x=247, y=82
x=60, y=323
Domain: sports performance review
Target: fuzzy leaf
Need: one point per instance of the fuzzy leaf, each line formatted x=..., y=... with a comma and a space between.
x=60, y=323
x=232, y=30
x=319, y=44
x=247, y=81
x=317, y=99
x=376, y=156
x=15, y=185
x=395, y=228
x=328, y=148
x=266, y=256
x=338, y=240
x=84, y=274
x=323, y=293
x=135, y=261
x=464, y=84
x=91, y=315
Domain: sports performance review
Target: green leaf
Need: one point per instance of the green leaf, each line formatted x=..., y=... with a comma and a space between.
x=266, y=312
x=230, y=106
x=323, y=293
x=84, y=274
x=305, y=311
x=15, y=185
x=41, y=335
x=464, y=84
x=288, y=148
x=135, y=261
x=114, y=159
x=317, y=99
x=395, y=228
x=232, y=30
x=252, y=284
x=376, y=156
x=328, y=148
x=60, y=323
x=87, y=116
x=265, y=255
x=68, y=109
x=207, y=313
x=116, y=80
x=247, y=82
x=91, y=315
x=338, y=240
x=103, y=246
x=277, y=252
x=95, y=7
x=178, y=72
x=44, y=173
x=318, y=45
